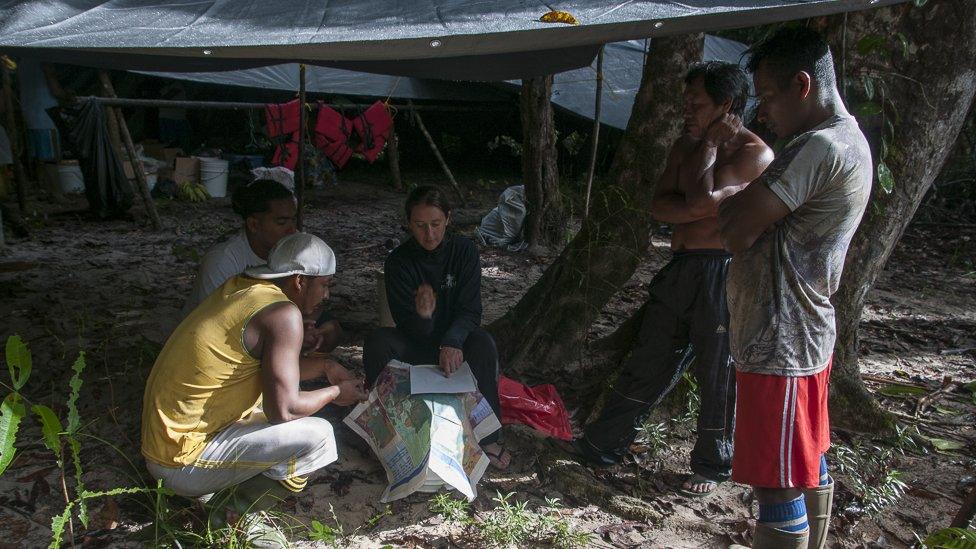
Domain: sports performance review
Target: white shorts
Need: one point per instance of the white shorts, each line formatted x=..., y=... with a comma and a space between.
x=286, y=452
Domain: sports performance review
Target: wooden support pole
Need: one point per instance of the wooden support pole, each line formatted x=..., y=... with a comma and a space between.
x=437, y=154
x=596, y=130
x=393, y=154
x=20, y=177
x=133, y=157
x=300, y=172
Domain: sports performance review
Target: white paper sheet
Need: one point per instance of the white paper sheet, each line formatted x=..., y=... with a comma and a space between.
x=425, y=379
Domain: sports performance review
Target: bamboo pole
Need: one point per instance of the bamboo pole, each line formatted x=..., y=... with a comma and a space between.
x=393, y=154
x=133, y=157
x=596, y=130
x=437, y=154
x=300, y=172
x=20, y=177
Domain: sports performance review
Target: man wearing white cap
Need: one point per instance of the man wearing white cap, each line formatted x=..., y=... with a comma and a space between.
x=223, y=407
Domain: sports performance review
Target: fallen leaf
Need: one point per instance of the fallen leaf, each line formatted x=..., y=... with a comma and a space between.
x=943, y=445
x=108, y=516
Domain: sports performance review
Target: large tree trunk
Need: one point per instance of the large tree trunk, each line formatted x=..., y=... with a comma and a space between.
x=926, y=96
x=544, y=332
x=545, y=221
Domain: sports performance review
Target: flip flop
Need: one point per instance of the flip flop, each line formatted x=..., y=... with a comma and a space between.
x=698, y=479
x=496, y=459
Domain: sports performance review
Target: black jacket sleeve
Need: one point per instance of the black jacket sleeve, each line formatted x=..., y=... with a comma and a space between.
x=401, y=291
x=466, y=309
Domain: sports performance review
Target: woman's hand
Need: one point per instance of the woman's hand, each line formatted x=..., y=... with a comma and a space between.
x=450, y=360
x=425, y=301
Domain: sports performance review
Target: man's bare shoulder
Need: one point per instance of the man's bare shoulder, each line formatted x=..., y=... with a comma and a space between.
x=280, y=316
x=753, y=145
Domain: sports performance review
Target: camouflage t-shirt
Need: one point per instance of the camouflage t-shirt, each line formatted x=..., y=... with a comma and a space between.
x=782, y=322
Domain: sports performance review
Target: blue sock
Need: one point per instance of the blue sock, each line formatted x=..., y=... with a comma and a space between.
x=824, y=477
x=790, y=516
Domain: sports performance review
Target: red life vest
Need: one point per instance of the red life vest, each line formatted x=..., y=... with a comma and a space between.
x=332, y=131
x=282, y=121
x=373, y=126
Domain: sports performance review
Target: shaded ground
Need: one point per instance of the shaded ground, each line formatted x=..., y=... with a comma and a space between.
x=114, y=290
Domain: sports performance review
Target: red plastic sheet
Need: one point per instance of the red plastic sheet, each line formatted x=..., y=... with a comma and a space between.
x=538, y=407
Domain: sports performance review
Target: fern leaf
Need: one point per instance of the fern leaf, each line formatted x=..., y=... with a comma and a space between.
x=58, y=522
x=11, y=412
x=18, y=361
x=74, y=419
x=51, y=428
x=75, y=447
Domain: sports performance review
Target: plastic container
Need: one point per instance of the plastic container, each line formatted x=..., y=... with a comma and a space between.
x=213, y=175
x=70, y=179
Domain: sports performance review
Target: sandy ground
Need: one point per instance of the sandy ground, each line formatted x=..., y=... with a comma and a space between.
x=114, y=290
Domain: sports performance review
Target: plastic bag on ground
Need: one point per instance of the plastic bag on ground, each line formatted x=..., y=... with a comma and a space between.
x=502, y=226
x=538, y=407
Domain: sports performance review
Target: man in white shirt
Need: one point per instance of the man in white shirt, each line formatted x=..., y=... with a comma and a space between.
x=269, y=211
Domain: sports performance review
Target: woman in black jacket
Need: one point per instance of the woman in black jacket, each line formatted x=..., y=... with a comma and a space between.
x=433, y=285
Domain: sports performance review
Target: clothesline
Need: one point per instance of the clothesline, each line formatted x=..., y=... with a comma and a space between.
x=127, y=102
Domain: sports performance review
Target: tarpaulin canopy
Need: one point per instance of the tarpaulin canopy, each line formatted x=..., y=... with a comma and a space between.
x=450, y=39
x=573, y=90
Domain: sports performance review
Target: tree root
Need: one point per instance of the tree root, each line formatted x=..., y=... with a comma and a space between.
x=576, y=481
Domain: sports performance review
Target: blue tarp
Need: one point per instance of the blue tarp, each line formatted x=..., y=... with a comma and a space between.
x=572, y=90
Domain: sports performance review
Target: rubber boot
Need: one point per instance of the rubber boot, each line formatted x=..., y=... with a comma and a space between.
x=819, y=500
x=768, y=537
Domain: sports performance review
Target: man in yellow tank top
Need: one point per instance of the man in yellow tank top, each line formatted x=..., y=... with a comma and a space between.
x=223, y=407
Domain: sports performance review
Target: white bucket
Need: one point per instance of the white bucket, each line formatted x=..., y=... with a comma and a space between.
x=213, y=175
x=70, y=178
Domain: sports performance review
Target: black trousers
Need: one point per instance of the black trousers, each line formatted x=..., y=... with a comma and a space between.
x=686, y=322
x=386, y=344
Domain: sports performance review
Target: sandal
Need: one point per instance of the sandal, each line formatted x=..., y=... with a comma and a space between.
x=687, y=488
x=500, y=460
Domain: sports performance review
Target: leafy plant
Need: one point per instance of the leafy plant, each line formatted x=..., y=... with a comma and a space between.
x=951, y=538
x=512, y=523
x=654, y=435
x=514, y=146
x=870, y=475
x=12, y=409
x=451, y=509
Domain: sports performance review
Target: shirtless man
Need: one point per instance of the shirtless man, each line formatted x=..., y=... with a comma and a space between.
x=686, y=314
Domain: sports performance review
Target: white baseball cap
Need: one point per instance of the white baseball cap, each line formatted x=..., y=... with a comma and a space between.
x=297, y=254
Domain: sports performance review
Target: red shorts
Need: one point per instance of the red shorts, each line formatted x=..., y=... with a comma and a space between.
x=781, y=429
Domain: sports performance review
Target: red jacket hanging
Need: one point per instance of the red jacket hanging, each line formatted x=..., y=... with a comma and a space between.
x=339, y=137
x=373, y=126
x=283, y=121
x=332, y=131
